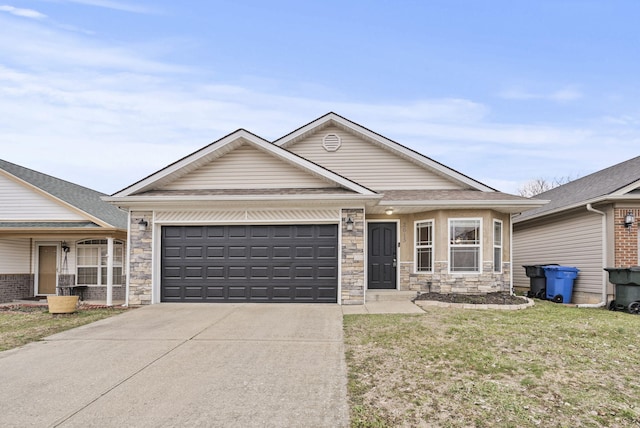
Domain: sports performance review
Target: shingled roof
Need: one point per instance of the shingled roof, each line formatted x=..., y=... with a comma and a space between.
x=591, y=188
x=83, y=198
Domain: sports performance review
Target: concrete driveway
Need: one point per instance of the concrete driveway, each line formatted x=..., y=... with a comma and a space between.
x=168, y=365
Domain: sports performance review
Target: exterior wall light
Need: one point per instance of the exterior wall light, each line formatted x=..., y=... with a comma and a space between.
x=629, y=219
x=349, y=223
x=388, y=211
x=142, y=225
x=65, y=247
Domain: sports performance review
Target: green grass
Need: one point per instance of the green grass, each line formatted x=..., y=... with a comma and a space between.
x=20, y=325
x=550, y=365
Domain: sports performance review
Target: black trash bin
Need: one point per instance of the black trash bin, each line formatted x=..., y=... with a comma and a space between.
x=537, y=280
x=627, y=281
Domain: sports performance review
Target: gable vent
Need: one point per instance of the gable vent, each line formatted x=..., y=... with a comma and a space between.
x=331, y=142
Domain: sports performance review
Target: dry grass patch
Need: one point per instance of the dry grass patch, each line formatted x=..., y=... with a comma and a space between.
x=20, y=324
x=547, y=366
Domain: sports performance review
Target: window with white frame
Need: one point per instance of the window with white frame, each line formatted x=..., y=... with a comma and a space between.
x=464, y=245
x=497, y=246
x=424, y=246
x=91, y=262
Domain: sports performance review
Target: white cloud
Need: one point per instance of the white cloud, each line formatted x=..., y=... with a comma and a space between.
x=106, y=116
x=24, y=13
x=560, y=95
x=115, y=5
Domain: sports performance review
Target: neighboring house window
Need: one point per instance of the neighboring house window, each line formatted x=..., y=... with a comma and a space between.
x=91, y=262
x=464, y=245
x=424, y=246
x=497, y=246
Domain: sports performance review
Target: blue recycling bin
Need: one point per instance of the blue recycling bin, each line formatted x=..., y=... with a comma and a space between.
x=560, y=282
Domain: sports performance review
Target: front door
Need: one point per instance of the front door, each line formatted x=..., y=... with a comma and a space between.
x=47, y=266
x=382, y=253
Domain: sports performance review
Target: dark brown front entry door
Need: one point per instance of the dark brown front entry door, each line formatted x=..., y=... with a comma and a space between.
x=382, y=255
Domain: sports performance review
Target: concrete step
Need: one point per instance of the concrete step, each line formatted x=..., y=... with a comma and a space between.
x=389, y=295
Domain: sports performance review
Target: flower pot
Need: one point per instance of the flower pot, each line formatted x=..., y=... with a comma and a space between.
x=62, y=304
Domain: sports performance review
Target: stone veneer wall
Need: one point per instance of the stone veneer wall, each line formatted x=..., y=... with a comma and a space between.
x=441, y=281
x=140, y=258
x=15, y=286
x=352, y=263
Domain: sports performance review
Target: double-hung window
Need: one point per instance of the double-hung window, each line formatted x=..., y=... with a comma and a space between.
x=465, y=245
x=424, y=246
x=497, y=246
x=92, y=261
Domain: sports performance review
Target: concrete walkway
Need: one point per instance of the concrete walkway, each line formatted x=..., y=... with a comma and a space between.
x=168, y=365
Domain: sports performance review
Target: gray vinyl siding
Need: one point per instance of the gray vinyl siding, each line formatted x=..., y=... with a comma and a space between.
x=15, y=256
x=20, y=203
x=369, y=164
x=575, y=241
x=247, y=168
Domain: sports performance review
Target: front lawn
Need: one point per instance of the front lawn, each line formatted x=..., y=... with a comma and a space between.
x=547, y=366
x=21, y=324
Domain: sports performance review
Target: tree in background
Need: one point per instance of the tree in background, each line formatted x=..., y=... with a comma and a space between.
x=541, y=185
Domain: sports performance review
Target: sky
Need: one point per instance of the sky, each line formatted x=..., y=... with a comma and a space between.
x=106, y=92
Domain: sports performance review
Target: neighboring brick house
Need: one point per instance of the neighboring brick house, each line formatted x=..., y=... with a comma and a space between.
x=584, y=226
x=323, y=214
x=53, y=233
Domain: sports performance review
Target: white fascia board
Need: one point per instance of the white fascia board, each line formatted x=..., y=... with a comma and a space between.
x=289, y=200
x=511, y=206
x=626, y=189
x=390, y=144
x=598, y=200
x=57, y=200
x=568, y=208
x=175, y=167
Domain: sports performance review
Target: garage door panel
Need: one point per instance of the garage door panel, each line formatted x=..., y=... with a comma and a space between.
x=216, y=252
x=265, y=263
x=280, y=252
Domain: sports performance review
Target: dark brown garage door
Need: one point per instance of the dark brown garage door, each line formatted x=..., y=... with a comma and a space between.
x=266, y=263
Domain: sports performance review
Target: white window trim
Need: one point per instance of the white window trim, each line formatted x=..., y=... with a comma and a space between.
x=479, y=246
x=497, y=269
x=416, y=246
x=79, y=244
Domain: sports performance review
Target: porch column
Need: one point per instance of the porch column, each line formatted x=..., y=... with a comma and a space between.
x=109, y=271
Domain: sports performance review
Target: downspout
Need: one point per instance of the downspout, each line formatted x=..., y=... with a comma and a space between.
x=603, y=301
x=511, y=217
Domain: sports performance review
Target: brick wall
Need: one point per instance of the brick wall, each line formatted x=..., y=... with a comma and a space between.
x=352, y=263
x=15, y=286
x=626, y=238
x=100, y=293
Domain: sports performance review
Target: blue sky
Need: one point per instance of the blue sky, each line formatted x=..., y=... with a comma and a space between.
x=103, y=93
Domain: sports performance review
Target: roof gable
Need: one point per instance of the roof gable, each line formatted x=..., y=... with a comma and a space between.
x=56, y=199
x=20, y=202
x=224, y=165
x=615, y=182
x=247, y=167
x=386, y=157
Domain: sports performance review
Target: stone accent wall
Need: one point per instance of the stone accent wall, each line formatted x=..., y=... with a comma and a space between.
x=626, y=239
x=15, y=286
x=140, y=258
x=441, y=281
x=352, y=263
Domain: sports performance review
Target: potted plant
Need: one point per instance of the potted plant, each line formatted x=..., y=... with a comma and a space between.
x=64, y=302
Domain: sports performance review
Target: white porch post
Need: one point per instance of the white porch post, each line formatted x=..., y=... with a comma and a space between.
x=109, y=271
